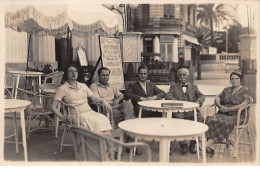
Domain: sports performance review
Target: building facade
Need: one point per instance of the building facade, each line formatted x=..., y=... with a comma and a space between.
x=168, y=30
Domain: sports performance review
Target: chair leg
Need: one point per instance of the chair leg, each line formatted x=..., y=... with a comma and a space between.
x=29, y=124
x=16, y=132
x=40, y=121
x=238, y=134
x=63, y=138
x=56, y=126
x=249, y=138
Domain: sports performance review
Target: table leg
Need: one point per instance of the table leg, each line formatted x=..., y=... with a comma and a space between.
x=164, y=150
x=16, y=132
x=24, y=134
x=120, y=147
x=198, y=151
x=140, y=112
x=17, y=84
x=13, y=86
x=204, y=147
x=169, y=114
x=40, y=88
x=195, y=114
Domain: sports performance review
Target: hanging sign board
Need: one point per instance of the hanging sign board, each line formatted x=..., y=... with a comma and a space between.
x=111, y=58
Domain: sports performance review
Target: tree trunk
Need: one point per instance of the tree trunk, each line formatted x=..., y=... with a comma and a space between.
x=211, y=32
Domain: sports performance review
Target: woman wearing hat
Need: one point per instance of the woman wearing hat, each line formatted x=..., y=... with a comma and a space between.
x=228, y=101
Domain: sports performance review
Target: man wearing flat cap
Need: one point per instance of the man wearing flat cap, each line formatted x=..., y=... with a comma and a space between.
x=185, y=91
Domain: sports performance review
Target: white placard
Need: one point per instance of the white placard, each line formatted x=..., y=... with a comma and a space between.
x=82, y=57
x=111, y=58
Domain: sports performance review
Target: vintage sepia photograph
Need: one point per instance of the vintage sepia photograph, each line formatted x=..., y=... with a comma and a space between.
x=129, y=82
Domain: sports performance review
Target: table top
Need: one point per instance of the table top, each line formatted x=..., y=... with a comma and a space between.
x=163, y=127
x=156, y=104
x=16, y=103
x=26, y=73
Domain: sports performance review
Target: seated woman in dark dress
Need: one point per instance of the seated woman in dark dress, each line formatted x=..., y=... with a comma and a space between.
x=228, y=101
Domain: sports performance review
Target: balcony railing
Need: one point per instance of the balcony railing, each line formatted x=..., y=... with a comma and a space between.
x=173, y=23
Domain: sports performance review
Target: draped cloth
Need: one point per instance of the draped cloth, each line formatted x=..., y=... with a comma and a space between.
x=83, y=20
x=42, y=49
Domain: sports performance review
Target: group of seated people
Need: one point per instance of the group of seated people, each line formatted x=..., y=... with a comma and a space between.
x=77, y=94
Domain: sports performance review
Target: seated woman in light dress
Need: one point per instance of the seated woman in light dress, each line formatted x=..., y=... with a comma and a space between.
x=77, y=95
x=228, y=102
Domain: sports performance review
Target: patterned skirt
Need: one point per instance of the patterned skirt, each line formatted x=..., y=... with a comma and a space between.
x=221, y=125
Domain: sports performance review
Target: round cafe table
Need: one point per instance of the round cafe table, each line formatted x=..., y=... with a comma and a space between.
x=17, y=106
x=164, y=130
x=156, y=105
x=19, y=73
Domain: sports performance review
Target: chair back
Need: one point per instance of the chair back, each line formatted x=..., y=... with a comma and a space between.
x=8, y=85
x=90, y=146
x=34, y=98
x=68, y=111
x=55, y=77
x=49, y=86
x=8, y=80
x=245, y=111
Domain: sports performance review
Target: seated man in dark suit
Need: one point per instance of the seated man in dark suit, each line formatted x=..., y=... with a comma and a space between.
x=186, y=91
x=142, y=90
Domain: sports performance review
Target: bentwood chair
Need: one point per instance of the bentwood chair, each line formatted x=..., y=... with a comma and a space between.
x=90, y=146
x=41, y=111
x=50, y=90
x=55, y=77
x=66, y=109
x=100, y=109
x=239, y=128
x=8, y=85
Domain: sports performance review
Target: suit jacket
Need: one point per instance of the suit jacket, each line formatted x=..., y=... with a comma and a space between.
x=135, y=92
x=176, y=93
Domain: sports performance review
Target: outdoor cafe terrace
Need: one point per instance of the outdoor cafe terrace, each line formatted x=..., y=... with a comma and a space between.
x=42, y=145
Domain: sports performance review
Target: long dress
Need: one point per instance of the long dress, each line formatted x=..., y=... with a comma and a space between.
x=222, y=124
x=78, y=97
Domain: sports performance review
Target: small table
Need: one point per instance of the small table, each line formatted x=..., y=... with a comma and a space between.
x=164, y=130
x=19, y=73
x=155, y=105
x=17, y=106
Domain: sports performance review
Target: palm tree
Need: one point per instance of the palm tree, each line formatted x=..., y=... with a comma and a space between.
x=211, y=14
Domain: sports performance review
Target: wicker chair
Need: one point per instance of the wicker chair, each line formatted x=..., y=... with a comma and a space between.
x=9, y=86
x=43, y=112
x=66, y=108
x=90, y=146
x=239, y=128
x=55, y=77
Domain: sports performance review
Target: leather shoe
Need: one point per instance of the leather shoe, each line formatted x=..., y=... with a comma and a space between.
x=210, y=152
x=192, y=148
x=137, y=152
x=184, y=148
